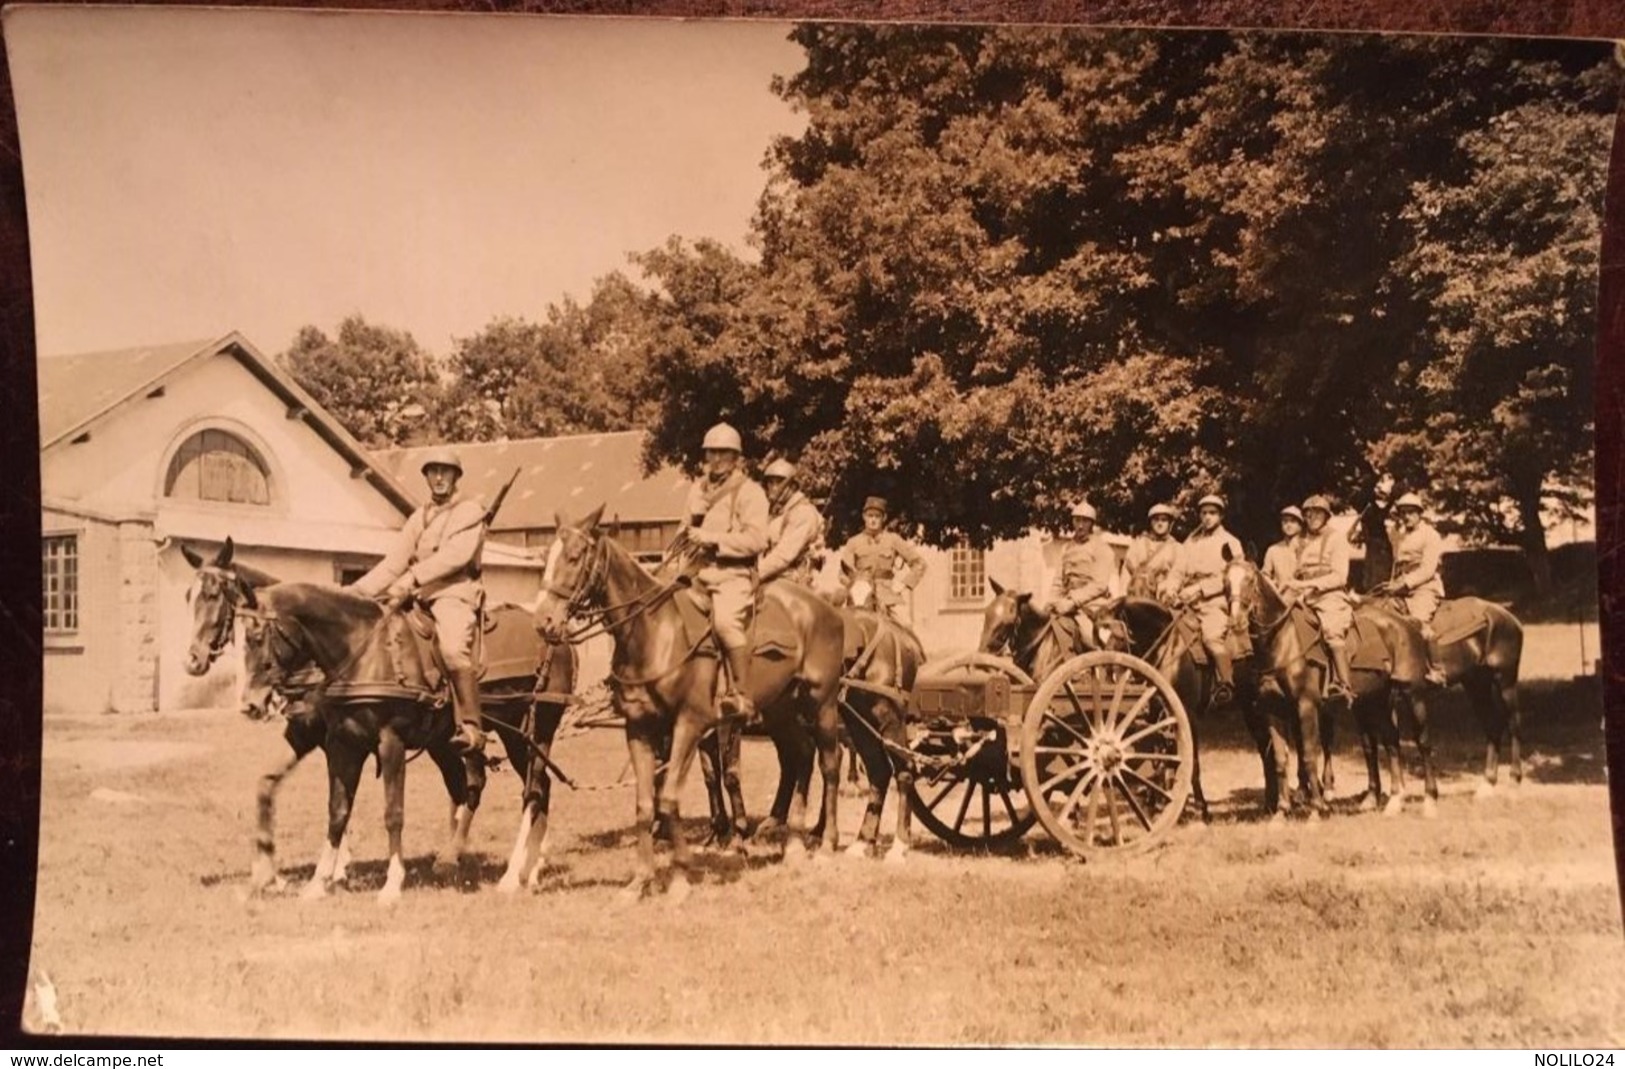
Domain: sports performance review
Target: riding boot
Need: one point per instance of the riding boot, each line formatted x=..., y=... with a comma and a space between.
x=1434, y=674
x=1340, y=687
x=1224, y=691
x=736, y=700
x=465, y=697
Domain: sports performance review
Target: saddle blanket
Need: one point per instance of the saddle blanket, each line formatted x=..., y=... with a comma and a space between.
x=1367, y=651
x=1459, y=618
x=773, y=633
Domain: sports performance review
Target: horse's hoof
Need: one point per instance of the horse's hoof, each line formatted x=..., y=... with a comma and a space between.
x=1314, y=817
x=388, y=897
x=680, y=888
x=314, y=890
x=1277, y=822
x=795, y=851
x=1430, y=808
x=821, y=856
x=859, y=849
x=508, y=885
x=1395, y=806
x=632, y=893
x=1368, y=802
x=897, y=854
x=1483, y=792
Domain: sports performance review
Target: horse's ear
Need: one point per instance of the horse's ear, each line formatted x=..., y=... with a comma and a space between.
x=592, y=520
x=1227, y=553
x=994, y=583
x=223, y=558
x=191, y=556
x=560, y=522
x=249, y=597
x=1024, y=598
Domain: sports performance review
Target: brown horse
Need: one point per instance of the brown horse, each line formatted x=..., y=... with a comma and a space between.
x=1030, y=635
x=364, y=708
x=1291, y=663
x=523, y=705
x=663, y=685
x=1484, y=663
x=874, y=704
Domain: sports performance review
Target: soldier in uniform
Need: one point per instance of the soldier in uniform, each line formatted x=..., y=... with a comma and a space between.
x=1322, y=580
x=795, y=529
x=436, y=559
x=1083, y=584
x=1151, y=554
x=1197, y=581
x=1417, y=582
x=1371, y=531
x=872, y=554
x=1281, y=559
x=727, y=518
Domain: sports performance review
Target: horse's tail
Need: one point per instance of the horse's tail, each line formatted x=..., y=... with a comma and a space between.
x=1503, y=640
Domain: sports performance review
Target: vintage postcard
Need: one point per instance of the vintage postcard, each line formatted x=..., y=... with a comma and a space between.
x=1111, y=512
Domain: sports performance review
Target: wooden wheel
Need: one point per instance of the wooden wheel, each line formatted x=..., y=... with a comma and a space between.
x=1106, y=754
x=978, y=801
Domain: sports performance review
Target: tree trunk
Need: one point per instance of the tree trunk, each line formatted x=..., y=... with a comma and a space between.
x=1533, y=541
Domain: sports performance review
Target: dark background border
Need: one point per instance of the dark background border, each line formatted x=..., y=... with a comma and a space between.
x=21, y=664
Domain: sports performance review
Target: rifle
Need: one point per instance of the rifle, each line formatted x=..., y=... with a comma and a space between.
x=496, y=502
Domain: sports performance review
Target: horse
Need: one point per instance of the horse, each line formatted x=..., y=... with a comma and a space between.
x=1034, y=639
x=524, y=707
x=1485, y=663
x=663, y=685
x=364, y=708
x=1285, y=655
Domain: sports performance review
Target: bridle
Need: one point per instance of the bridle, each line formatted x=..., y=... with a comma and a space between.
x=1263, y=630
x=589, y=588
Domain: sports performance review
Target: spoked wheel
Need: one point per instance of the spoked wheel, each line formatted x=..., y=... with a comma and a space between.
x=977, y=801
x=1106, y=754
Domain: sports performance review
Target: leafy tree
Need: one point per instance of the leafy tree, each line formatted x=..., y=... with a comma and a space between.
x=374, y=379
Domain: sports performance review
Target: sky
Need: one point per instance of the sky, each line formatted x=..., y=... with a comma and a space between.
x=192, y=172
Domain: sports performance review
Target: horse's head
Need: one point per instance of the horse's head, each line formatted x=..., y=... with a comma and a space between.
x=261, y=670
x=215, y=595
x=1250, y=599
x=574, y=579
x=1000, y=618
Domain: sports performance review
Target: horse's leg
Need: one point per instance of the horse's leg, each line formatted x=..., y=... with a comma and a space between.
x=1418, y=710
x=1281, y=744
x=1328, y=733
x=712, y=761
x=827, y=737
x=732, y=751
x=685, y=737
x=896, y=732
x=392, y=766
x=867, y=707
x=343, y=776
x=1197, y=797
x=1309, y=754
x=1505, y=692
x=1481, y=692
x=1390, y=736
x=642, y=727
x=454, y=774
x=1255, y=714
x=264, y=875
x=1365, y=724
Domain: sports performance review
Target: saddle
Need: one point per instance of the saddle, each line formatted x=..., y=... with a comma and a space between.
x=1367, y=651
x=1188, y=631
x=773, y=633
x=402, y=661
x=1459, y=619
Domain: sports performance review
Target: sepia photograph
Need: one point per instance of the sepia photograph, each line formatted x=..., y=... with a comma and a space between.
x=886, y=534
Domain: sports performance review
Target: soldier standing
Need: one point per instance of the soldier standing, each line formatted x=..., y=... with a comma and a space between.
x=1197, y=581
x=727, y=518
x=872, y=554
x=436, y=559
x=1151, y=554
x=795, y=529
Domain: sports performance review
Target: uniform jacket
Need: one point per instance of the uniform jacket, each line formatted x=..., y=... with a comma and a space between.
x=1086, y=571
x=1201, y=562
x=1416, y=558
x=1371, y=531
x=874, y=557
x=794, y=534
x=1281, y=562
x=736, y=509
x=1323, y=564
x=438, y=551
x=1149, y=559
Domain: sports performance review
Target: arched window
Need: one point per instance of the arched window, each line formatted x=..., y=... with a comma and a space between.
x=215, y=465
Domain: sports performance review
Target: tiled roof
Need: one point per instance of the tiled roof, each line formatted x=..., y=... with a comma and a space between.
x=572, y=475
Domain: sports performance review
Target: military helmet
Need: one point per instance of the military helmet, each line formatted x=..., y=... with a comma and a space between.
x=875, y=504
x=1083, y=511
x=1211, y=499
x=723, y=436
x=1161, y=510
x=780, y=469
x=444, y=456
x=1318, y=501
x=1408, y=500
x=1292, y=511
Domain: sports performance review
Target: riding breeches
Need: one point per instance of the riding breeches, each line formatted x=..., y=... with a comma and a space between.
x=1215, y=621
x=731, y=591
x=454, y=622
x=1334, y=614
x=1422, y=604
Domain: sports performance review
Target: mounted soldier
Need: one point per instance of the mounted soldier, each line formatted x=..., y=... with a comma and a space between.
x=872, y=555
x=1083, y=583
x=1321, y=582
x=1417, y=581
x=1197, y=582
x=436, y=560
x=727, y=519
x=795, y=529
x=1151, y=554
x=1281, y=559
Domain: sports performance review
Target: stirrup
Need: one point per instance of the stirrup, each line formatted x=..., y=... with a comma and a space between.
x=468, y=739
x=737, y=707
x=1223, y=694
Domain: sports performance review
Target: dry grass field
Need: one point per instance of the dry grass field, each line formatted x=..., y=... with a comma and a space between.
x=1497, y=924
